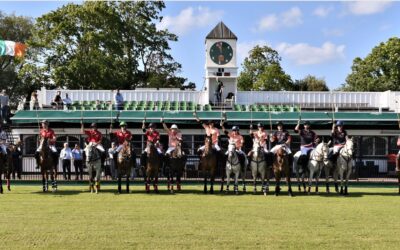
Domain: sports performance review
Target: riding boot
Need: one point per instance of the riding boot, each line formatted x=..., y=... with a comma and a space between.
x=290, y=156
x=37, y=158
x=242, y=161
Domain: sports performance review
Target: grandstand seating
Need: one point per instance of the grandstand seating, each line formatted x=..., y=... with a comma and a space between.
x=178, y=106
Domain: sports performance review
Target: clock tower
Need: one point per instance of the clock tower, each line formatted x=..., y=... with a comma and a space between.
x=221, y=65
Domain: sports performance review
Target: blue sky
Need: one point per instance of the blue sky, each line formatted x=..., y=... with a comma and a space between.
x=317, y=38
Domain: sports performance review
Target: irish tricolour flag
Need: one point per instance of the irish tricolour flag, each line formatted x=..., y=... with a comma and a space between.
x=10, y=48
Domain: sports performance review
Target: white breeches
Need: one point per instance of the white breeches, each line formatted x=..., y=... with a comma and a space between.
x=287, y=149
x=216, y=146
x=98, y=146
x=52, y=148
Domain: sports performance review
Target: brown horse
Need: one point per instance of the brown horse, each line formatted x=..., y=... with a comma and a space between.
x=208, y=162
x=177, y=163
x=398, y=169
x=124, y=164
x=153, y=166
x=48, y=165
x=281, y=165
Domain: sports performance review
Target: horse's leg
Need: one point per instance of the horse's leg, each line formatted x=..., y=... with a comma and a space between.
x=172, y=182
x=254, y=175
x=119, y=181
x=310, y=179
x=341, y=173
x=288, y=181
x=237, y=182
x=1, y=183
x=262, y=176
x=326, y=168
x=127, y=182
x=228, y=179
x=335, y=177
x=348, y=173
x=212, y=179
x=205, y=179
x=277, y=182
x=52, y=180
x=267, y=176
x=319, y=170
x=178, y=180
x=244, y=178
x=155, y=184
x=8, y=180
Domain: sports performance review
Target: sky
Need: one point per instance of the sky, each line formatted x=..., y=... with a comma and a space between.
x=316, y=38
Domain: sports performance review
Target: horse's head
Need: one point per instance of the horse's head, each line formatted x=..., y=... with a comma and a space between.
x=92, y=153
x=231, y=148
x=324, y=150
x=348, y=148
x=177, y=153
x=256, y=147
x=151, y=147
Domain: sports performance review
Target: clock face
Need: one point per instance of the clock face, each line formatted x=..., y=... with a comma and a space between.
x=221, y=53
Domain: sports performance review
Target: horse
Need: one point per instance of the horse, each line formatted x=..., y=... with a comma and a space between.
x=208, y=163
x=152, y=167
x=344, y=165
x=177, y=163
x=258, y=165
x=93, y=163
x=232, y=167
x=48, y=165
x=281, y=165
x=318, y=159
x=301, y=168
x=125, y=160
x=4, y=169
x=398, y=169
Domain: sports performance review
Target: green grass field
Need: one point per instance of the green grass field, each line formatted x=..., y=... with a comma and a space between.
x=73, y=218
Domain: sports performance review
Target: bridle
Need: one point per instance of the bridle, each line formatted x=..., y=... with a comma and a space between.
x=234, y=153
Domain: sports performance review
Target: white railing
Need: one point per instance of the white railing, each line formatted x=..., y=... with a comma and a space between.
x=200, y=97
x=382, y=100
x=321, y=99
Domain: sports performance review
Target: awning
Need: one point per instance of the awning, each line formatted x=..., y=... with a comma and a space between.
x=355, y=118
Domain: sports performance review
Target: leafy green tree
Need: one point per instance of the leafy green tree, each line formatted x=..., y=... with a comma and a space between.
x=18, y=29
x=378, y=71
x=311, y=83
x=262, y=71
x=102, y=45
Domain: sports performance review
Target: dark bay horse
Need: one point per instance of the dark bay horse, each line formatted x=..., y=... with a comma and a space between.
x=177, y=163
x=208, y=164
x=398, y=169
x=4, y=169
x=48, y=165
x=125, y=162
x=281, y=166
x=153, y=166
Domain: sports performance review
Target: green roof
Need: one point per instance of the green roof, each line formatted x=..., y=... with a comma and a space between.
x=26, y=117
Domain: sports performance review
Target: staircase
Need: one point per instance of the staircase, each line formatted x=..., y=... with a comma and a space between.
x=11, y=138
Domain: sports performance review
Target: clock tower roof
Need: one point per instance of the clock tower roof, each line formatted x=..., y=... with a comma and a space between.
x=221, y=31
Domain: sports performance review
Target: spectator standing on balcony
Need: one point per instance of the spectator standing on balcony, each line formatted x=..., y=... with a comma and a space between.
x=4, y=100
x=66, y=155
x=67, y=101
x=119, y=100
x=34, y=103
x=57, y=101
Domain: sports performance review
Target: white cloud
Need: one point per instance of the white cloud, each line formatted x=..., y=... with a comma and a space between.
x=334, y=32
x=367, y=7
x=322, y=11
x=305, y=54
x=243, y=48
x=290, y=18
x=190, y=18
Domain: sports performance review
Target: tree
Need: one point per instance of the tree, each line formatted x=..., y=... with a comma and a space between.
x=18, y=29
x=379, y=71
x=102, y=45
x=311, y=83
x=262, y=71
